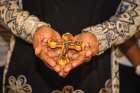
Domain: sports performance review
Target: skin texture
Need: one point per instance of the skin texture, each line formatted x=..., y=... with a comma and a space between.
x=50, y=56
x=47, y=55
x=132, y=51
x=89, y=48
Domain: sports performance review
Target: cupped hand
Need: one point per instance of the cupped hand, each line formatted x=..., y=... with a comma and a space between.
x=90, y=47
x=48, y=55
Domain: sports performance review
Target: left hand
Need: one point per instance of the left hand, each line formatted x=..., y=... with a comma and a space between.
x=47, y=55
x=89, y=48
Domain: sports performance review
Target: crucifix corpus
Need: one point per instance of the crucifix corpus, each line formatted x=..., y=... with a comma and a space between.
x=66, y=44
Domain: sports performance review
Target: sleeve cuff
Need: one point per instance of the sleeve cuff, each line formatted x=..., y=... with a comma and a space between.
x=101, y=37
x=30, y=26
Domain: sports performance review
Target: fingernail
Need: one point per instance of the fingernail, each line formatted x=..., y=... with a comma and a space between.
x=44, y=43
x=61, y=74
x=37, y=51
x=74, y=64
x=88, y=53
x=53, y=64
x=45, y=40
x=75, y=56
x=67, y=69
x=57, y=69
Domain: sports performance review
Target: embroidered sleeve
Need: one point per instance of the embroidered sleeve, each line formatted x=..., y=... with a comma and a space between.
x=123, y=25
x=20, y=22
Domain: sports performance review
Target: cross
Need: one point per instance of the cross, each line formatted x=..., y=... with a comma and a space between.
x=66, y=44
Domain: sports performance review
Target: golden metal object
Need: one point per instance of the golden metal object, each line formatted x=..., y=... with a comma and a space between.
x=66, y=44
x=63, y=60
x=52, y=43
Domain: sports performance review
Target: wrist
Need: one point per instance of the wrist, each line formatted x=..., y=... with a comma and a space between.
x=101, y=38
x=39, y=26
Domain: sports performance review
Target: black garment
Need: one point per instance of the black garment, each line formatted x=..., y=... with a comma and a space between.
x=130, y=82
x=89, y=77
x=65, y=16
x=1, y=75
x=72, y=15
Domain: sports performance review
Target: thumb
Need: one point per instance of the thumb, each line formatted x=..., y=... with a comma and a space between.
x=88, y=53
x=37, y=50
x=37, y=44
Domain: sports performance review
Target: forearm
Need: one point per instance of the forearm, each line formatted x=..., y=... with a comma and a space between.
x=132, y=51
x=118, y=28
x=20, y=22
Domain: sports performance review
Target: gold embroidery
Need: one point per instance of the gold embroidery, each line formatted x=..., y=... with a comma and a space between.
x=68, y=89
x=118, y=53
x=107, y=88
x=18, y=85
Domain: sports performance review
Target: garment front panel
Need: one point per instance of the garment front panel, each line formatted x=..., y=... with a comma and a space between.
x=72, y=15
x=64, y=16
x=89, y=77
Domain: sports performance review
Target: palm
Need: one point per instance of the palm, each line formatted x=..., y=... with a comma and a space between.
x=47, y=55
x=89, y=48
x=51, y=55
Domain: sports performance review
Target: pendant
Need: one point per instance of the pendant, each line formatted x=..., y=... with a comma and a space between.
x=66, y=44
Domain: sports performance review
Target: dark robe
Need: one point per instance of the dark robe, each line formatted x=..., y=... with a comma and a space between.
x=64, y=16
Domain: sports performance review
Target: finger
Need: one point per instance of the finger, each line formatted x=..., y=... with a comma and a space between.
x=37, y=44
x=48, y=60
x=58, y=37
x=51, y=52
x=67, y=68
x=94, y=46
x=95, y=49
x=79, y=60
x=88, y=53
x=63, y=74
x=87, y=59
x=89, y=50
x=57, y=68
x=45, y=42
x=73, y=54
x=37, y=50
x=54, y=52
x=55, y=36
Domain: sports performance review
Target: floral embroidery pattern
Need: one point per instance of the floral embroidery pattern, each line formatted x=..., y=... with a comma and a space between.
x=107, y=88
x=18, y=85
x=68, y=89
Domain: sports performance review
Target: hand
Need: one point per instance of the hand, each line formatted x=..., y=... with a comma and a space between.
x=89, y=48
x=131, y=50
x=47, y=55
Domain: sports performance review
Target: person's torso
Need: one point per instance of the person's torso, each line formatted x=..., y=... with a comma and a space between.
x=71, y=15
x=65, y=16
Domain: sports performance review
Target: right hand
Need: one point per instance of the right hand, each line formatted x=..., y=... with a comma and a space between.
x=47, y=55
x=90, y=47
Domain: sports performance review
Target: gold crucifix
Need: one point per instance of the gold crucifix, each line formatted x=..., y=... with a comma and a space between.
x=66, y=44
